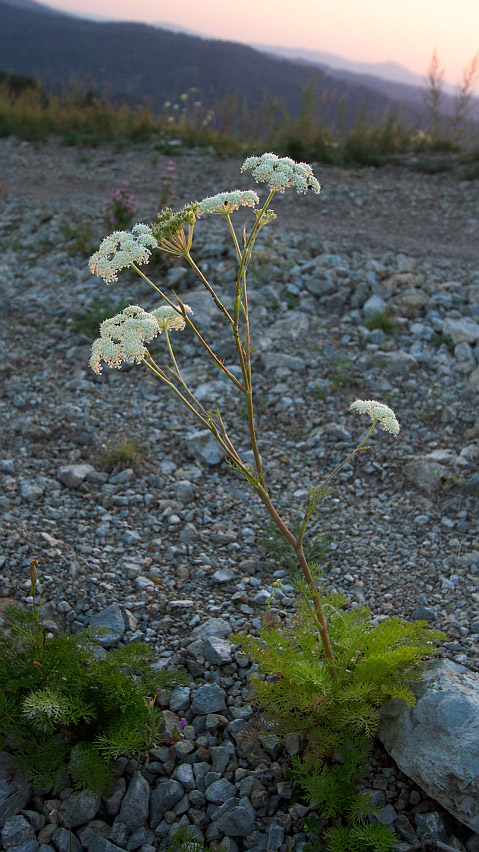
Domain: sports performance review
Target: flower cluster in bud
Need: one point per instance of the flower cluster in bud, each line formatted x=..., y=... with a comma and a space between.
x=120, y=250
x=281, y=172
x=169, y=223
x=227, y=202
x=378, y=412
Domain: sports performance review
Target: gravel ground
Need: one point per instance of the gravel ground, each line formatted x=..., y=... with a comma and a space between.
x=175, y=540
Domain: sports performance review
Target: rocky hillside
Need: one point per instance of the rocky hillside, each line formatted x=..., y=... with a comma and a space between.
x=403, y=519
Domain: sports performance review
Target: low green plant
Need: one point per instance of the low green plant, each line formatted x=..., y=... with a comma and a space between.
x=440, y=339
x=80, y=237
x=431, y=166
x=471, y=172
x=336, y=710
x=344, y=371
x=86, y=321
x=182, y=841
x=384, y=320
x=118, y=455
x=65, y=707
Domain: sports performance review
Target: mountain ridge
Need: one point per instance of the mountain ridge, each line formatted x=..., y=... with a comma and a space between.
x=158, y=65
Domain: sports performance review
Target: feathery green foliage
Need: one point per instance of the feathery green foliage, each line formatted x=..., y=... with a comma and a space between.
x=183, y=842
x=281, y=552
x=62, y=707
x=336, y=715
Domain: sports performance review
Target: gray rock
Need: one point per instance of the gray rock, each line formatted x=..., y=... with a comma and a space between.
x=36, y=820
x=432, y=824
x=374, y=305
x=65, y=841
x=217, y=650
x=463, y=329
x=204, y=447
x=223, y=575
x=135, y=805
x=386, y=815
x=26, y=846
x=185, y=491
x=436, y=742
x=212, y=627
x=17, y=830
x=73, y=475
x=219, y=791
x=97, y=843
x=403, y=827
x=472, y=845
x=275, y=836
x=222, y=755
x=96, y=826
x=209, y=698
x=180, y=699
x=30, y=491
x=110, y=619
x=273, y=360
x=427, y=471
x=163, y=798
x=113, y=801
x=185, y=775
x=236, y=818
x=397, y=363
x=81, y=807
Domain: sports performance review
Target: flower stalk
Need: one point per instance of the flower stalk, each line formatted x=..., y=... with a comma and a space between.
x=124, y=337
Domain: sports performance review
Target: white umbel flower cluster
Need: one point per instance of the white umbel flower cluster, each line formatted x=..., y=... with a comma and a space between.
x=169, y=319
x=227, y=202
x=281, y=172
x=121, y=249
x=123, y=337
x=379, y=412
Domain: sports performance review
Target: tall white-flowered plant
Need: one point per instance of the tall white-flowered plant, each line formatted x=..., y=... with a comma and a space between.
x=125, y=337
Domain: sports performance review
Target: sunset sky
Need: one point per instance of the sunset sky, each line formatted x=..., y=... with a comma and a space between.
x=404, y=31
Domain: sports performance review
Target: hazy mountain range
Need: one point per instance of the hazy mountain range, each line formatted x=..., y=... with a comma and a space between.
x=139, y=63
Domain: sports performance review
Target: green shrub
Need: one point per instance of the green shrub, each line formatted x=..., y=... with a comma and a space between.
x=471, y=172
x=65, y=708
x=335, y=709
x=122, y=454
x=431, y=166
x=384, y=320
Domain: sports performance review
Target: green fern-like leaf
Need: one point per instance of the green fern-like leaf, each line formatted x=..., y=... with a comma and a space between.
x=89, y=770
x=39, y=761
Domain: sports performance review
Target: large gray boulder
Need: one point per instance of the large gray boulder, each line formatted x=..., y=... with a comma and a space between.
x=436, y=742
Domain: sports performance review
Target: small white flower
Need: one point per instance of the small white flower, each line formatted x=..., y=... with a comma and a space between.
x=377, y=411
x=169, y=319
x=281, y=172
x=123, y=337
x=121, y=249
x=226, y=202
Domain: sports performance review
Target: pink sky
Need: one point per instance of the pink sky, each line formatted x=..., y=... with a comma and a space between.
x=404, y=31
